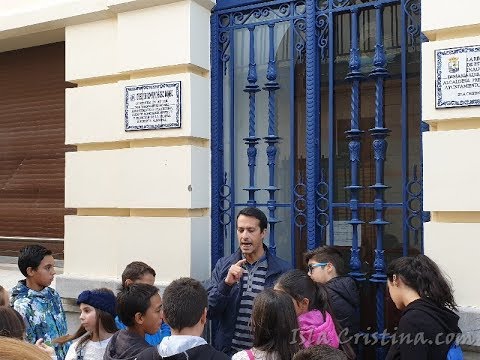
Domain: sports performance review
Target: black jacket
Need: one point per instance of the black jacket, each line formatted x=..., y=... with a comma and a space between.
x=345, y=302
x=129, y=346
x=202, y=352
x=427, y=321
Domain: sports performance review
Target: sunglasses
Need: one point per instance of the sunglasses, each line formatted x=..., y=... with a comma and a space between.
x=313, y=266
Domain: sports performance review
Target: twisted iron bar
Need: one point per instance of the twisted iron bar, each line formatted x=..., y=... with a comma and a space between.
x=379, y=133
x=252, y=140
x=354, y=136
x=271, y=139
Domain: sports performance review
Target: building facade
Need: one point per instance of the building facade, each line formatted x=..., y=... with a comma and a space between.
x=323, y=114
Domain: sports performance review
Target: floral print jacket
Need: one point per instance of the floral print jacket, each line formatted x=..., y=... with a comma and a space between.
x=43, y=314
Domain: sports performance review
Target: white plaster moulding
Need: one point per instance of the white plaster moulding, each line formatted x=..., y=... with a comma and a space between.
x=73, y=13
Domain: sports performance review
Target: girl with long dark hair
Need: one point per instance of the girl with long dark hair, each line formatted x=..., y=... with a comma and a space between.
x=97, y=317
x=11, y=323
x=274, y=327
x=316, y=323
x=428, y=326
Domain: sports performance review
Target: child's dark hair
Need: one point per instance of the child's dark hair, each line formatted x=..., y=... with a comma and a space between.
x=425, y=277
x=11, y=323
x=106, y=319
x=257, y=214
x=135, y=270
x=328, y=254
x=320, y=352
x=184, y=303
x=299, y=285
x=31, y=256
x=274, y=325
x=134, y=299
x=3, y=298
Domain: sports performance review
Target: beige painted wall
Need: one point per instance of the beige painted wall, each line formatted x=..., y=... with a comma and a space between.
x=451, y=165
x=455, y=247
x=442, y=17
x=14, y=6
x=450, y=171
x=140, y=195
x=84, y=112
x=166, y=243
x=154, y=177
x=28, y=23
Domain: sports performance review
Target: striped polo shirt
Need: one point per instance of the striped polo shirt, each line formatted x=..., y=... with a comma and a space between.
x=253, y=282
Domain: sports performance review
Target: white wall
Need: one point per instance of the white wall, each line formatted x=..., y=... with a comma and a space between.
x=442, y=16
x=455, y=248
x=451, y=166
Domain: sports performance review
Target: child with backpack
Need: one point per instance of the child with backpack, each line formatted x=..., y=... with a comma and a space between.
x=97, y=318
x=428, y=327
x=274, y=327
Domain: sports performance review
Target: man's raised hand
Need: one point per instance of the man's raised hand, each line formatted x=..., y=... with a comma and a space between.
x=235, y=272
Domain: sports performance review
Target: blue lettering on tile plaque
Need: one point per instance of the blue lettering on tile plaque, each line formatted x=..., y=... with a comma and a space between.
x=153, y=106
x=457, y=77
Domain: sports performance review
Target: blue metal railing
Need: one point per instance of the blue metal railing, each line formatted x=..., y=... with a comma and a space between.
x=252, y=43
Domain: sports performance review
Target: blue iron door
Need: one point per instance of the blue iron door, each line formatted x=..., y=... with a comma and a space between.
x=316, y=120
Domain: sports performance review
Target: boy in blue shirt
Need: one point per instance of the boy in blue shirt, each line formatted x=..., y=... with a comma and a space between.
x=138, y=272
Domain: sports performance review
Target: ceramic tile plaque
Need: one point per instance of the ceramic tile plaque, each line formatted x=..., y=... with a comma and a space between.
x=153, y=106
x=457, y=80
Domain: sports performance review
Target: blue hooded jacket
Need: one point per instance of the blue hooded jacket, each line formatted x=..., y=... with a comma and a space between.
x=43, y=314
x=224, y=300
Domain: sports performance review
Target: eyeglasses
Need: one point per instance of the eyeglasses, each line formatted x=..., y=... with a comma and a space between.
x=313, y=266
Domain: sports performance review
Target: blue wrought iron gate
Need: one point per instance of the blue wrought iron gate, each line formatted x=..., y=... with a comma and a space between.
x=306, y=96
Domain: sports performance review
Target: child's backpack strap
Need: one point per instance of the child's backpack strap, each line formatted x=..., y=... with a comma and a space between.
x=80, y=351
x=455, y=352
x=250, y=354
